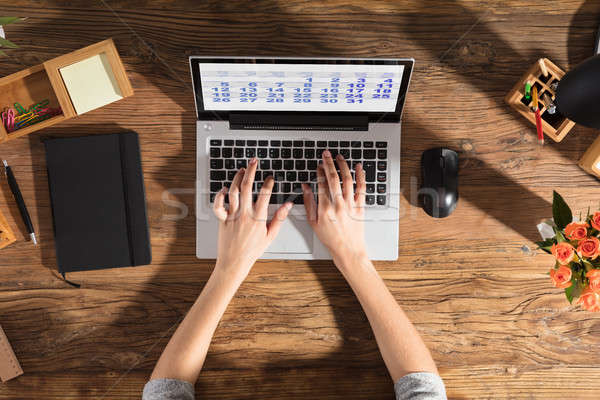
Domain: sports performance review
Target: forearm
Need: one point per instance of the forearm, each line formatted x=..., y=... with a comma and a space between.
x=400, y=344
x=186, y=351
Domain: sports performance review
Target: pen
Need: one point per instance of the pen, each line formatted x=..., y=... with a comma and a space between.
x=538, y=118
x=14, y=187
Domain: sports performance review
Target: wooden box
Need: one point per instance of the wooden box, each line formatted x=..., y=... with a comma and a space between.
x=590, y=161
x=6, y=234
x=542, y=74
x=47, y=82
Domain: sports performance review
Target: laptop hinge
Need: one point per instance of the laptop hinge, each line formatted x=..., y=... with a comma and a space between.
x=294, y=121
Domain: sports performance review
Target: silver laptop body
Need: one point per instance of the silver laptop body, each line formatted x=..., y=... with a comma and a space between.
x=272, y=108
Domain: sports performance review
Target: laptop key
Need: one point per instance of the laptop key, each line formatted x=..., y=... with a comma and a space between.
x=231, y=174
x=298, y=153
x=263, y=143
x=381, y=165
x=369, y=167
x=300, y=165
x=370, y=188
x=238, y=152
x=286, y=153
x=240, y=142
x=230, y=164
x=313, y=176
x=215, y=186
x=382, y=154
x=267, y=174
x=215, y=142
x=274, y=153
x=309, y=153
x=355, y=144
x=381, y=145
x=322, y=143
x=265, y=164
x=333, y=143
x=297, y=187
x=370, y=199
x=275, y=143
x=381, y=188
x=240, y=164
x=356, y=154
x=320, y=153
x=381, y=177
x=250, y=153
x=288, y=165
x=286, y=187
x=215, y=152
x=276, y=164
x=303, y=176
x=286, y=143
x=279, y=176
x=381, y=200
x=226, y=152
x=312, y=165
x=344, y=144
x=369, y=154
x=309, y=143
x=345, y=153
x=262, y=152
x=257, y=176
x=218, y=175
x=275, y=188
x=367, y=145
x=290, y=176
x=298, y=143
x=216, y=163
x=251, y=143
x=228, y=142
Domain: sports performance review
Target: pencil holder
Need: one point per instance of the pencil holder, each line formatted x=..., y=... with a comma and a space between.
x=543, y=75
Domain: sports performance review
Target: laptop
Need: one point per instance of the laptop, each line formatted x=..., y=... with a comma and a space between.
x=286, y=112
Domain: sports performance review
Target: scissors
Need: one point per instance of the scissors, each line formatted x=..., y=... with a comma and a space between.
x=8, y=119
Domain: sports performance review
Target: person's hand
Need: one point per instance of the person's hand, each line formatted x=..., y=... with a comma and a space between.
x=244, y=233
x=338, y=219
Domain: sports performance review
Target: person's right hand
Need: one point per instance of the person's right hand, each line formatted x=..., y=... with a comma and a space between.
x=338, y=218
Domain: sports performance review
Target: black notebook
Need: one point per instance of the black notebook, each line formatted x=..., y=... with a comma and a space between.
x=98, y=202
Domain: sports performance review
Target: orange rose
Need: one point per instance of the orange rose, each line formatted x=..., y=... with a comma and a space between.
x=589, y=247
x=561, y=277
x=563, y=252
x=596, y=220
x=594, y=276
x=589, y=300
x=576, y=231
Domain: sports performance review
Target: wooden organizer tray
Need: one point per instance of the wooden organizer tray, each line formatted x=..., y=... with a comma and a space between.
x=6, y=234
x=44, y=81
x=555, y=126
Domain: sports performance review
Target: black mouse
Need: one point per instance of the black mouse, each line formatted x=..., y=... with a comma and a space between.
x=439, y=189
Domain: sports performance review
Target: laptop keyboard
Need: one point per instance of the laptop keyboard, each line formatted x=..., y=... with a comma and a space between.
x=293, y=162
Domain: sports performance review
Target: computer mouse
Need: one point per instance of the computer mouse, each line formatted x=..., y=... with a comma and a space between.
x=439, y=189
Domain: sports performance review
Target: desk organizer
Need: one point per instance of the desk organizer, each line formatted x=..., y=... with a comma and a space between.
x=590, y=161
x=6, y=234
x=72, y=84
x=542, y=75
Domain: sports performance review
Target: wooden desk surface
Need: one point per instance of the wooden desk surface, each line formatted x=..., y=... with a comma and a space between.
x=473, y=283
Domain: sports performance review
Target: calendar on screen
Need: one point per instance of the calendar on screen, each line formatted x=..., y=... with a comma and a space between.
x=300, y=87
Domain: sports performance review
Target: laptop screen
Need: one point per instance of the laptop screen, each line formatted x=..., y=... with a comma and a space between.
x=300, y=85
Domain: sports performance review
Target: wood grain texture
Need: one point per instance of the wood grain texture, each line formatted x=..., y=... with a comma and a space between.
x=473, y=283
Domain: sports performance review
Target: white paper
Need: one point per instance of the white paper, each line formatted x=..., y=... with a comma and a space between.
x=300, y=87
x=91, y=83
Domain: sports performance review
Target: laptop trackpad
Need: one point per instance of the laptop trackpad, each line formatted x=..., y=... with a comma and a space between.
x=295, y=236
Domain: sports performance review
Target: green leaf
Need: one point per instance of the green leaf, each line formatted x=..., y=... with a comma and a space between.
x=577, y=284
x=8, y=20
x=2, y=54
x=559, y=236
x=7, y=43
x=569, y=293
x=560, y=211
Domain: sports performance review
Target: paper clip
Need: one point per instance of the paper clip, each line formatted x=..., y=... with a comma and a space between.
x=39, y=105
x=8, y=119
x=20, y=108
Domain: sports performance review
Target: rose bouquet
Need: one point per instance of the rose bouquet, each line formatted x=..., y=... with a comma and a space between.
x=576, y=249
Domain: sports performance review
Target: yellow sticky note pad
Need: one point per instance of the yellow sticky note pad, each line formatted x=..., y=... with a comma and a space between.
x=91, y=83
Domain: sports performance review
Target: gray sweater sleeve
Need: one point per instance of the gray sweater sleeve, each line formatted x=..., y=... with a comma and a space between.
x=420, y=386
x=417, y=386
x=168, y=389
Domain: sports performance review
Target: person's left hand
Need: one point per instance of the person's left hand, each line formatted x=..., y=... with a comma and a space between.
x=244, y=233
